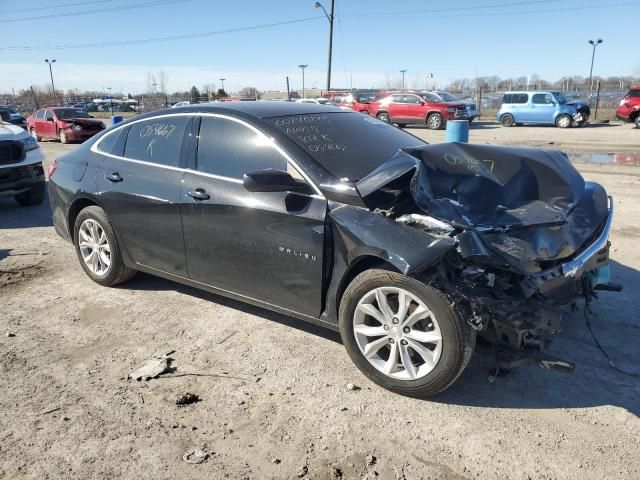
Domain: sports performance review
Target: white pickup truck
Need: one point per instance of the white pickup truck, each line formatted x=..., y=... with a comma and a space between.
x=21, y=170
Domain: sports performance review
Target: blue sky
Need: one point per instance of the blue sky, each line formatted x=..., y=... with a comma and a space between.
x=373, y=40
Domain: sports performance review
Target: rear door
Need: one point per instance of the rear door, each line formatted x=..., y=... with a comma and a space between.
x=397, y=109
x=266, y=246
x=140, y=188
x=520, y=108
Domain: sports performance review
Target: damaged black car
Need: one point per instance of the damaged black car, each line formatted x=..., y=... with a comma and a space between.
x=409, y=250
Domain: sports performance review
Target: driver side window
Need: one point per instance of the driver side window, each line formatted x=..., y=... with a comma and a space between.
x=48, y=115
x=230, y=149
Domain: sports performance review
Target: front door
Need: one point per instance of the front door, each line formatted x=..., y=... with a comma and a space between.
x=141, y=192
x=265, y=246
x=47, y=129
x=397, y=109
x=543, y=108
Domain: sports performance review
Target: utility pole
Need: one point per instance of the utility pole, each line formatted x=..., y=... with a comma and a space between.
x=330, y=17
x=53, y=88
x=302, y=67
x=593, y=43
x=403, y=72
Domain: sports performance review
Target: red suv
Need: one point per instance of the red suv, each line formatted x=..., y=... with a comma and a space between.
x=64, y=123
x=629, y=109
x=417, y=108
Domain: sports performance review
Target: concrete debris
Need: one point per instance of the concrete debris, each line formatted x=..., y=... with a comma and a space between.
x=195, y=456
x=10, y=334
x=152, y=369
x=352, y=386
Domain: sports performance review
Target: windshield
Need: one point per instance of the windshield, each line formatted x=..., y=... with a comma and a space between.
x=67, y=113
x=447, y=97
x=560, y=97
x=348, y=145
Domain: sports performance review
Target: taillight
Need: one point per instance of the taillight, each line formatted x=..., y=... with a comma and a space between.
x=52, y=168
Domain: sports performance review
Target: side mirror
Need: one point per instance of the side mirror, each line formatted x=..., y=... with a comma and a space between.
x=50, y=119
x=423, y=103
x=273, y=180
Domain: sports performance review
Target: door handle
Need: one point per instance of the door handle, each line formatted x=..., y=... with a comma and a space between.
x=114, y=177
x=199, y=194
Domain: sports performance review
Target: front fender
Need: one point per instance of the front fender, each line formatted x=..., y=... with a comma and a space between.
x=365, y=233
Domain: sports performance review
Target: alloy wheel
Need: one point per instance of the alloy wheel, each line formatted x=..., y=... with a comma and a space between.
x=94, y=247
x=435, y=121
x=397, y=333
x=63, y=137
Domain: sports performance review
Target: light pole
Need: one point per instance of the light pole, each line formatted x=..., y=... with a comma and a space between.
x=594, y=43
x=53, y=88
x=403, y=72
x=330, y=18
x=110, y=101
x=222, y=82
x=302, y=67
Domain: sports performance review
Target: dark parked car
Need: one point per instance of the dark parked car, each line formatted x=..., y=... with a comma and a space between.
x=64, y=123
x=9, y=115
x=336, y=218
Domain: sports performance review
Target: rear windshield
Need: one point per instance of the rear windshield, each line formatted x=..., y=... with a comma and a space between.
x=348, y=145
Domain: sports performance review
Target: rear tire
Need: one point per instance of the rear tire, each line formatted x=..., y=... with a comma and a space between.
x=434, y=121
x=384, y=116
x=439, y=332
x=33, y=196
x=401, y=125
x=638, y=121
x=563, y=121
x=108, y=269
x=507, y=120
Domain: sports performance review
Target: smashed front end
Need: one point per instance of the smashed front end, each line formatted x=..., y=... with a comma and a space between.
x=530, y=235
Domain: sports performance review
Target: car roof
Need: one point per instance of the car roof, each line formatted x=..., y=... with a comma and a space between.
x=258, y=109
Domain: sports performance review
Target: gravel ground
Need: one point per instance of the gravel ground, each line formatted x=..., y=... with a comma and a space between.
x=595, y=138
x=280, y=406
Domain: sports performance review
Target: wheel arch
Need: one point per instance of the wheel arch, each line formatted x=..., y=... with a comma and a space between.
x=359, y=265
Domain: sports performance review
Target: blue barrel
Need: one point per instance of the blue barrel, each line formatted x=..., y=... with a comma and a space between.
x=457, y=131
x=116, y=119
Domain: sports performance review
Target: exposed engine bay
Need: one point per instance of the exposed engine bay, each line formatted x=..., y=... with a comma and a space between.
x=528, y=234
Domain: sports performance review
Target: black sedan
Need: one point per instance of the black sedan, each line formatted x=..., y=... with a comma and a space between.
x=333, y=217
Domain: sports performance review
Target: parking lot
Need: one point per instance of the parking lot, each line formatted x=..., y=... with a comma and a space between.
x=274, y=401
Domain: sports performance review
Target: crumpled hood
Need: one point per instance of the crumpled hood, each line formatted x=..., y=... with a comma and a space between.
x=527, y=204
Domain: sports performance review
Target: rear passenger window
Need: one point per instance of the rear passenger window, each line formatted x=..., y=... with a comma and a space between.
x=231, y=149
x=157, y=141
x=515, y=98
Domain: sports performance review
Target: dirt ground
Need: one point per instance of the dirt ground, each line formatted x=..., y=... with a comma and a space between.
x=280, y=407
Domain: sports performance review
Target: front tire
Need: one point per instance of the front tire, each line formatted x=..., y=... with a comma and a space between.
x=404, y=335
x=563, y=121
x=33, y=196
x=637, y=121
x=63, y=136
x=401, y=125
x=434, y=121
x=97, y=248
